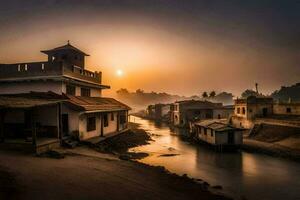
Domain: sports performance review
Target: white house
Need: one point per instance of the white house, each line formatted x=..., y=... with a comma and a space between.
x=43, y=103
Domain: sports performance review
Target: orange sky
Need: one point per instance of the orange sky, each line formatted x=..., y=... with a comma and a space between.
x=155, y=52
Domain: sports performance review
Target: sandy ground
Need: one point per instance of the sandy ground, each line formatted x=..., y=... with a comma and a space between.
x=87, y=174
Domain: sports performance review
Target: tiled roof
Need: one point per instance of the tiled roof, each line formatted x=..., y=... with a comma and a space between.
x=65, y=47
x=34, y=99
x=30, y=100
x=97, y=103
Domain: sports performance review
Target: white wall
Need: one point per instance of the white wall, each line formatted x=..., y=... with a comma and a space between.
x=83, y=133
x=26, y=87
x=112, y=125
x=73, y=118
x=94, y=92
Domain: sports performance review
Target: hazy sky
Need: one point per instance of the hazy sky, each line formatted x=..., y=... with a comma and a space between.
x=177, y=46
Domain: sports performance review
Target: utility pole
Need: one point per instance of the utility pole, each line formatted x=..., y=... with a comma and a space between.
x=256, y=87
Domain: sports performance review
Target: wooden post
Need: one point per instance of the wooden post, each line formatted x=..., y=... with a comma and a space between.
x=102, y=124
x=118, y=121
x=59, y=124
x=33, y=128
x=2, y=117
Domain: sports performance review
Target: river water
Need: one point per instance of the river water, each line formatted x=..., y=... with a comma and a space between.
x=242, y=174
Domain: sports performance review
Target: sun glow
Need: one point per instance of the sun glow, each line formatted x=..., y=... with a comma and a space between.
x=119, y=72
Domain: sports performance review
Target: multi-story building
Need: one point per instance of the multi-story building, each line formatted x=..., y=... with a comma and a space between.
x=184, y=112
x=42, y=103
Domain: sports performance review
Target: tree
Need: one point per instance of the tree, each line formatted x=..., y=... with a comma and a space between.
x=139, y=91
x=212, y=94
x=248, y=93
x=122, y=91
x=204, y=95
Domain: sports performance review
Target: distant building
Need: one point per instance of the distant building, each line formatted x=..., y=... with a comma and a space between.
x=47, y=103
x=218, y=133
x=184, y=112
x=158, y=111
x=286, y=108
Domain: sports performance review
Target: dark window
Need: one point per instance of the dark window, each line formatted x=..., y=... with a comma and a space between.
x=219, y=116
x=85, y=92
x=112, y=117
x=91, y=124
x=197, y=112
x=65, y=56
x=205, y=131
x=243, y=110
x=70, y=89
x=212, y=133
x=250, y=110
x=238, y=110
x=75, y=57
x=105, y=120
x=123, y=119
x=288, y=110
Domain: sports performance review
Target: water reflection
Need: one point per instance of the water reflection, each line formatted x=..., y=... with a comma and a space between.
x=241, y=174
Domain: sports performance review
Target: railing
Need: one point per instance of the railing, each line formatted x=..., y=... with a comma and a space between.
x=44, y=69
x=23, y=70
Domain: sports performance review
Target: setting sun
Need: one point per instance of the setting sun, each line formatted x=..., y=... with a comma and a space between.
x=119, y=72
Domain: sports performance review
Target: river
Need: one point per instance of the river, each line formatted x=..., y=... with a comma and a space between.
x=241, y=174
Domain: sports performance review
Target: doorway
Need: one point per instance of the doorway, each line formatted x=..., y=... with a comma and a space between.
x=265, y=112
x=65, y=124
x=230, y=137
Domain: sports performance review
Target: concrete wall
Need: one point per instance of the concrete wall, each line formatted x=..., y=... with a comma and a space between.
x=94, y=92
x=281, y=109
x=73, y=119
x=112, y=124
x=222, y=113
x=83, y=133
x=26, y=87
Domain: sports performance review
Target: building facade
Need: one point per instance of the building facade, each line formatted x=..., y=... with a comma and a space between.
x=184, y=112
x=56, y=99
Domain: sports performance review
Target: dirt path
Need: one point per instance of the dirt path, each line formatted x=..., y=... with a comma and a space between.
x=88, y=177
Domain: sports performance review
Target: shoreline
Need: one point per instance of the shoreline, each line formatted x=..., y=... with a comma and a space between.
x=110, y=147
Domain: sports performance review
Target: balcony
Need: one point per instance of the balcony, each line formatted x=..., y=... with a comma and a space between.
x=11, y=72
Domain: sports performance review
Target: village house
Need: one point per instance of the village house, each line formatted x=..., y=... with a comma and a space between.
x=218, y=133
x=184, y=112
x=259, y=109
x=48, y=103
x=158, y=111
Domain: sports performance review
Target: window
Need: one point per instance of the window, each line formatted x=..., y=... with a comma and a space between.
x=105, y=120
x=197, y=112
x=91, y=124
x=112, y=117
x=211, y=133
x=19, y=68
x=85, y=92
x=288, y=110
x=70, y=89
x=26, y=68
x=243, y=110
x=43, y=66
x=205, y=131
x=238, y=110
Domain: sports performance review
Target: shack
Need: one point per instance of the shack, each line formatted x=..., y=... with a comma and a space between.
x=218, y=133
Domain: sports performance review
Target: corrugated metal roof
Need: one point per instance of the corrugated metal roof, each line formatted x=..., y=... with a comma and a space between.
x=216, y=124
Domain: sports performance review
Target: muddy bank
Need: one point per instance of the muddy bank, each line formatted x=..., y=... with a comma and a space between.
x=272, y=149
x=8, y=185
x=120, y=144
x=88, y=177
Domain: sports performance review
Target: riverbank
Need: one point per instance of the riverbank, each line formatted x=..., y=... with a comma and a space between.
x=120, y=144
x=273, y=149
x=84, y=176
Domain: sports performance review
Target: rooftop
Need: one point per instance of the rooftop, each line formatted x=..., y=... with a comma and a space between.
x=65, y=47
x=216, y=124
